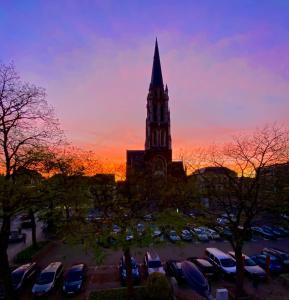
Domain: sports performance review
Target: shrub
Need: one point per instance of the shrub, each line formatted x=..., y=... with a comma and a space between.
x=158, y=287
x=118, y=294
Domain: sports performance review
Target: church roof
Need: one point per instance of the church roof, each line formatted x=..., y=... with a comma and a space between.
x=157, y=77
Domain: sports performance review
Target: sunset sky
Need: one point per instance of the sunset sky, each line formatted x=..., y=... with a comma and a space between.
x=226, y=64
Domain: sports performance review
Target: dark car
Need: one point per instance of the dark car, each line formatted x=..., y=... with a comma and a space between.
x=251, y=268
x=195, y=279
x=283, y=256
x=22, y=275
x=123, y=270
x=275, y=266
x=74, y=279
x=275, y=231
x=16, y=237
x=204, y=266
x=173, y=268
x=263, y=232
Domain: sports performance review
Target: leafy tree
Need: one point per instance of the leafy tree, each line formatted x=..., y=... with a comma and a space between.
x=245, y=194
x=27, y=124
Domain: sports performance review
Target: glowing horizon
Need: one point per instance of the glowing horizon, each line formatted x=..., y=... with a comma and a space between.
x=226, y=65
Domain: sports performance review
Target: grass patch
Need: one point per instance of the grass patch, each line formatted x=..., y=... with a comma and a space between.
x=27, y=254
x=140, y=293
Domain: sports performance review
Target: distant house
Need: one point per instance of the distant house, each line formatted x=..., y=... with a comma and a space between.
x=212, y=181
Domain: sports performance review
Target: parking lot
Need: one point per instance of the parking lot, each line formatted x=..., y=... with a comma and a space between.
x=106, y=275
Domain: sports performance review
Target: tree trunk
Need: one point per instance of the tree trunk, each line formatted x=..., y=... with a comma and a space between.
x=240, y=270
x=129, y=281
x=5, y=274
x=33, y=228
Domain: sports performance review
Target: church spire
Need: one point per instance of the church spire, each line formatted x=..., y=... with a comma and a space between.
x=157, y=77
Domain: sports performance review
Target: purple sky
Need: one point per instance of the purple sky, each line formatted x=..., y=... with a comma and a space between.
x=226, y=64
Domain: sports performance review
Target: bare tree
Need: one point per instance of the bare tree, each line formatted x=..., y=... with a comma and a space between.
x=27, y=123
x=239, y=189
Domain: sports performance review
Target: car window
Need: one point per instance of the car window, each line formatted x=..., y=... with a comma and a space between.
x=155, y=264
x=17, y=277
x=45, y=278
x=249, y=262
x=74, y=276
x=227, y=262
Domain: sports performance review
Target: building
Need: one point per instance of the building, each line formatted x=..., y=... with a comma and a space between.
x=156, y=159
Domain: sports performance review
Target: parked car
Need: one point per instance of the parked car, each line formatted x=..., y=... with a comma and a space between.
x=74, y=279
x=123, y=270
x=153, y=263
x=252, y=270
x=16, y=237
x=48, y=279
x=140, y=228
x=22, y=275
x=283, y=256
x=155, y=231
x=186, y=235
x=259, y=231
x=129, y=235
x=200, y=234
x=223, y=262
x=173, y=268
x=195, y=279
x=116, y=229
x=225, y=232
x=212, y=234
x=148, y=218
x=173, y=236
x=204, y=266
x=275, y=266
x=275, y=231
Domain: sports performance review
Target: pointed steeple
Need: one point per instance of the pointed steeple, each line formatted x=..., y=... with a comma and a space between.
x=157, y=77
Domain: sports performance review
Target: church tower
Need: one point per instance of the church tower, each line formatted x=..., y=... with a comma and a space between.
x=158, y=149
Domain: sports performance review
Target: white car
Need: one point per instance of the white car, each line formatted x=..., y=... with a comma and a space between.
x=186, y=235
x=200, y=234
x=212, y=234
x=47, y=279
x=129, y=235
x=153, y=263
x=116, y=229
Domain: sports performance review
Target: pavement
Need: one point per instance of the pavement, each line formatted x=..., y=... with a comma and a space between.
x=14, y=249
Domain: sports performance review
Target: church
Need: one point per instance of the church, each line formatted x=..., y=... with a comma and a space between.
x=155, y=161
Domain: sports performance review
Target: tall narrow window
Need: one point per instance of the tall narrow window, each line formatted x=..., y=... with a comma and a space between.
x=155, y=113
x=162, y=113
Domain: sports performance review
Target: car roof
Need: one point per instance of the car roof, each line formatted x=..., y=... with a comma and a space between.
x=217, y=252
x=24, y=267
x=203, y=262
x=77, y=267
x=52, y=266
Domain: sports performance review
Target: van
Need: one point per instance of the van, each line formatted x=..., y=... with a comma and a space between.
x=223, y=262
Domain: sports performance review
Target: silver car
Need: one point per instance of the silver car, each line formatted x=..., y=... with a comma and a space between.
x=47, y=279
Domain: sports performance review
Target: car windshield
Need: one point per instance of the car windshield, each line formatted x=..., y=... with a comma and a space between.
x=227, y=262
x=17, y=276
x=154, y=264
x=249, y=262
x=74, y=276
x=45, y=278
